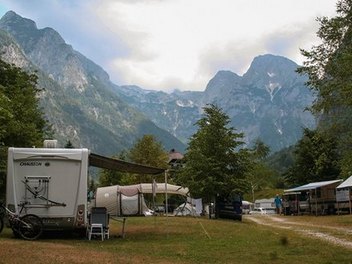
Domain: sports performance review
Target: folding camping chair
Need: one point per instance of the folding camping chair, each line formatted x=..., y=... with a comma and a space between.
x=98, y=223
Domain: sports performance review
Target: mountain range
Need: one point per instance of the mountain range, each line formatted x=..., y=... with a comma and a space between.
x=77, y=99
x=268, y=103
x=85, y=107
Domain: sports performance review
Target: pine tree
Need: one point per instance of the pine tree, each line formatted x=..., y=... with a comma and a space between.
x=214, y=163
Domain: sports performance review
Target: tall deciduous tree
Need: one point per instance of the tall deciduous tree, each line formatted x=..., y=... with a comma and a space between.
x=329, y=67
x=113, y=177
x=260, y=176
x=22, y=123
x=214, y=163
x=148, y=151
x=316, y=159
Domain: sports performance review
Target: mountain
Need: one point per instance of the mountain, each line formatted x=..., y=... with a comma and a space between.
x=267, y=102
x=84, y=106
x=78, y=98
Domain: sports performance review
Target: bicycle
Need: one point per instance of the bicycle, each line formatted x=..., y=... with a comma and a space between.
x=29, y=226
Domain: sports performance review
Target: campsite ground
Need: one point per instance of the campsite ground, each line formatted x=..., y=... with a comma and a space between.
x=334, y=229
x=257, y=239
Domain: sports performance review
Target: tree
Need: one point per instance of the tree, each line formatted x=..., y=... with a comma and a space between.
x=148, y=151
x=260, y=175
x=329, y=64
x=329, y=67
x=214, y=163
x=260, y=150
x=316, y=159
x=22, y=123
x=113, y=177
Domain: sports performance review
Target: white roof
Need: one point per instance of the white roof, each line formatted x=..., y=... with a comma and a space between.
x=130, y=190
x=346, y=183
x=312, y=186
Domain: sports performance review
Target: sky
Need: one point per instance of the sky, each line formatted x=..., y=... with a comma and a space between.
x=178, y=44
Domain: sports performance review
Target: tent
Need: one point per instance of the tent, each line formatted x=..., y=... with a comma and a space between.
x=343, y=195
x=129, y=200
x=186, y=209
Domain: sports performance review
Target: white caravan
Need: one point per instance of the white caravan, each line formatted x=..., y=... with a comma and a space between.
x=53, y=183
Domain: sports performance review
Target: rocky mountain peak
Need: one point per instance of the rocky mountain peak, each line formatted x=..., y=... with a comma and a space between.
x=270, y=65
x=26, y=32
x=78, y=100
x=11, y=18
x=272, y=74
x=223, y=78
x=221, y=84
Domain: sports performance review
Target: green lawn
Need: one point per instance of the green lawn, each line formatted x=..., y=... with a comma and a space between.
x=178, y=240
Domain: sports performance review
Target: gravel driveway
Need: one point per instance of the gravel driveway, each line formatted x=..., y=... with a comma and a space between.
x=336, y=235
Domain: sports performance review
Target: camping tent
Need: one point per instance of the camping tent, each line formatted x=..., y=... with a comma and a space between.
x=129, y=200
x=186, y=209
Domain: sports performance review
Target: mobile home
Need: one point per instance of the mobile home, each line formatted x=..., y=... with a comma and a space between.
x=314, y=198
x=53, y=183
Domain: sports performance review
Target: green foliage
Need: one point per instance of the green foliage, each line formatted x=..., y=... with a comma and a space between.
x=329, y=64
x=21, y=120
x=214, y=162
x=113, y=177
x=148, y=151
x=260, y=150
x=329, y=67
x=282, y=160
x=316, y=159
x=261, y=176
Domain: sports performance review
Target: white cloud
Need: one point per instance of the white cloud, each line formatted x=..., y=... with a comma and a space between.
x=167, y=44
x=188, y=41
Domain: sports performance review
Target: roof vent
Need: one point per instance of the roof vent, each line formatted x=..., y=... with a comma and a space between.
x=52, y=143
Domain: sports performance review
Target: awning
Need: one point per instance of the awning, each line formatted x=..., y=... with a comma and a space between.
x=121, y=165
x=347, y=183
x=312, y=186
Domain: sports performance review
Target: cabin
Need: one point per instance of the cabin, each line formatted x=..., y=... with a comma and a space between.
x=344, y=196
x=316, y=198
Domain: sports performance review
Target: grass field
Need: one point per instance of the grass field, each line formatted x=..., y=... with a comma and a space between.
x=183, y=240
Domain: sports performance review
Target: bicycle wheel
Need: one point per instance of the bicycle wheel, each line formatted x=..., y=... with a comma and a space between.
x=30, y=227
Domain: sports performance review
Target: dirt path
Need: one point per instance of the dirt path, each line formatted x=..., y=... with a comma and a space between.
x=336, y=235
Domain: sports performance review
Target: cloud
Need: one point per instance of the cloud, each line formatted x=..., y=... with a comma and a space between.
x=185, y=42
x=167, y=44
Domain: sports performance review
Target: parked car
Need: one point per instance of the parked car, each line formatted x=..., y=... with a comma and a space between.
x=257, y=211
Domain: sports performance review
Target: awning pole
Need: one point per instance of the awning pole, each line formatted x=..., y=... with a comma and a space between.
x=349, y=199
x=316, y=202
x=166, y=205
